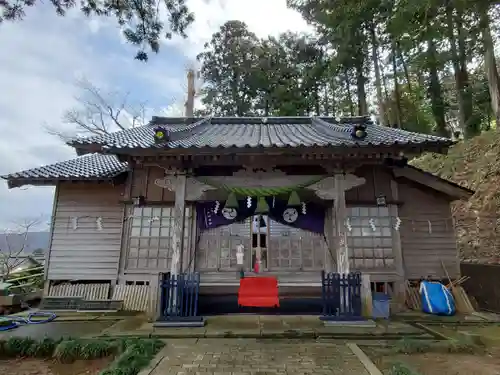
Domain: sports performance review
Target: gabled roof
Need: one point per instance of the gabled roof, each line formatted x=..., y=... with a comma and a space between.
x=84, y=168
x=255, y=132
x=217, y=132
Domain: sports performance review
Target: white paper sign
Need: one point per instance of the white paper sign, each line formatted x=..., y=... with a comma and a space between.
x=239, y=254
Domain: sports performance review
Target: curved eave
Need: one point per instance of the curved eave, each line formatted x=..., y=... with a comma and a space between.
x=426, y=146
x=16, y=182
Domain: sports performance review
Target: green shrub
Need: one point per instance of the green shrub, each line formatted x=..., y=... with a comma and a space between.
x=43, y=349
x=67, y=351
x=92, y=349
x=133, y=354
x=16, y=347
x=137, y=355
x=400, y=368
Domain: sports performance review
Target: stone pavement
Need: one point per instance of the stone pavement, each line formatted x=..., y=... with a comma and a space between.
x=262, y=326
x=256, y=357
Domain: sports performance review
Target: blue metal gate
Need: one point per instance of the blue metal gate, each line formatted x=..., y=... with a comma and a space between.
x=341, y=295
x=179, y=297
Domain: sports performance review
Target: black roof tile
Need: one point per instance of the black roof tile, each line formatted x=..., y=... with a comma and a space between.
x=253, y=132
x=90, y=166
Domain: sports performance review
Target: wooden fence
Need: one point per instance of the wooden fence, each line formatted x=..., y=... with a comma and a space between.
x=483, y=285
x=134, y=297
x=90, y=292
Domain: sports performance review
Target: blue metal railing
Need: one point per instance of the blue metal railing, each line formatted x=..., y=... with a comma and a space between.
x=179, y=297
x=341, y=295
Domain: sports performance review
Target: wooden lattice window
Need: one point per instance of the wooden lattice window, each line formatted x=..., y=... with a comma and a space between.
x=370, y=237
x=150, y=242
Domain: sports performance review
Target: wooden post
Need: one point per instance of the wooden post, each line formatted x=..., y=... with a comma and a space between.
x=51, y=231
x=340, y=216
x=366, y=296
x=178, y=233
x=154, y=297
x=46, y=288
x=330, y=253
x=399, y=292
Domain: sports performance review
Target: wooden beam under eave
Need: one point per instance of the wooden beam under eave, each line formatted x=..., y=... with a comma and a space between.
x=19, y=182
x=434, y=182
x=263, y=161
x=314, y=152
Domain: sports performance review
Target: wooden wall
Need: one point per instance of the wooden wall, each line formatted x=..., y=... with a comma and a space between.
x=97, y=252
x=378, y=182
x=422, y=249
x=143, y=183
x=425, y=246
x=86, y=253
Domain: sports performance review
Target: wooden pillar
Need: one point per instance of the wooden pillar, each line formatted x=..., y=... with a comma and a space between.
x=340, y=219
x=366, y=296
x=397, y=250
x=331, y=251
x=154, y=308
x=188, y=249
x=178, y=232
x=49, y=247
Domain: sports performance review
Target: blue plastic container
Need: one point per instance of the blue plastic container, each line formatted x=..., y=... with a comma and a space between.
x=381, y=305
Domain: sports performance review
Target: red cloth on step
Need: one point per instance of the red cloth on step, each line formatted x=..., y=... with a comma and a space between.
x=258, y=292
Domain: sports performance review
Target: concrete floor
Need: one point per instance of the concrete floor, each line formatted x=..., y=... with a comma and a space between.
x=58, y=330
x=262, y=326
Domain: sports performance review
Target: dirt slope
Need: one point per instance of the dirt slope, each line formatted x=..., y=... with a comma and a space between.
x=474, y=164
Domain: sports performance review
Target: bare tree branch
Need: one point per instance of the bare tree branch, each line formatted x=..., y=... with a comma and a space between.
x=99, y=113
x=14, y=247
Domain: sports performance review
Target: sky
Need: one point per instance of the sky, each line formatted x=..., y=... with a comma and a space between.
x=45, y=55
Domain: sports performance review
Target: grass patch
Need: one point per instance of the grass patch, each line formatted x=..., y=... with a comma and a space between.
x=131, y=355
x=457, y=346
x=137, y=355
x=401, y=368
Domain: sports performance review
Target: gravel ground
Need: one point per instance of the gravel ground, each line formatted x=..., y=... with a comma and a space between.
x=440, y=363
x=41, y=367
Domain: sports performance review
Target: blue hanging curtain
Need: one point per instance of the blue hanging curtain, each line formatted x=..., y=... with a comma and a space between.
x=313, y=220
x=207, y=218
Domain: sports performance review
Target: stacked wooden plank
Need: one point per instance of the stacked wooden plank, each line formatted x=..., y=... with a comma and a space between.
x=463, y=304
x=462, y=301
x=412, y=296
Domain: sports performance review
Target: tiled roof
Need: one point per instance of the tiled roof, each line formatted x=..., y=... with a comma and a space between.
x=240, y=132
x=90, y=166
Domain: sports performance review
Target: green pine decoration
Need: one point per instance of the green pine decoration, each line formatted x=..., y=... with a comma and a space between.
x=262, y=206
x=231, y=201
x=294, y=199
